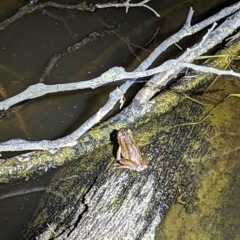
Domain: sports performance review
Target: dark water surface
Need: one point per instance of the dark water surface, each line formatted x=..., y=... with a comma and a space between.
x=26, y=47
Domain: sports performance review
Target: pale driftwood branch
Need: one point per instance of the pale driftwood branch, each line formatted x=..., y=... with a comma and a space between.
x=71, y=140
x=117, y=94
x=187, y=24
x=127, y=5
x=159, y=81
x=112, y=75
x=185, y=31
x=40, y=89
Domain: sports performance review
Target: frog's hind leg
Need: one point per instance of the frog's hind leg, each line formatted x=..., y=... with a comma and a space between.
x=125, y=163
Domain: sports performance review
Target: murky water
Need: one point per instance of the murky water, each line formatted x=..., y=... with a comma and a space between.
x=26, y=47
x=211, y=209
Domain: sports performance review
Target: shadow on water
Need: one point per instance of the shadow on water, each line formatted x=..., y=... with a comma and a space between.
x=26, y=47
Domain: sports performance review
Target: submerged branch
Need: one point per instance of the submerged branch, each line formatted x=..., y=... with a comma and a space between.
x=22, y=192
x=27, y=9
x=91, y=37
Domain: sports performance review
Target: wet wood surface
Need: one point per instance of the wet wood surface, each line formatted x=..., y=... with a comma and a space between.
x=90, y=199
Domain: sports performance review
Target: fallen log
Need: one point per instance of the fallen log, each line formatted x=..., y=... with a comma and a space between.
x=91, y=199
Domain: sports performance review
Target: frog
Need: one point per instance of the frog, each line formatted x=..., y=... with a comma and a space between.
x=128, y=153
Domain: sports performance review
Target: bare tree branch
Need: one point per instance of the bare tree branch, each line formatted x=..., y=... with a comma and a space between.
x=127, y=5
x=112, y=75
x=160, y=80
x=70, y=140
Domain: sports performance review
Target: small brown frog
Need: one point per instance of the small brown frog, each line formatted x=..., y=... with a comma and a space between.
x=128, y=154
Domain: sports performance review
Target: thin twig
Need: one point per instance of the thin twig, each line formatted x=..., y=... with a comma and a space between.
x=22, y=192
x=193, y=99
x=127, y=5
x=51, y=228
x=128, y=45
x=187, y=24
x=153, y=37
x=140, y=47
x=28, y=8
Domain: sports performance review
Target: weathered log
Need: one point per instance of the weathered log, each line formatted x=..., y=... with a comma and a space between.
x=90, y=199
